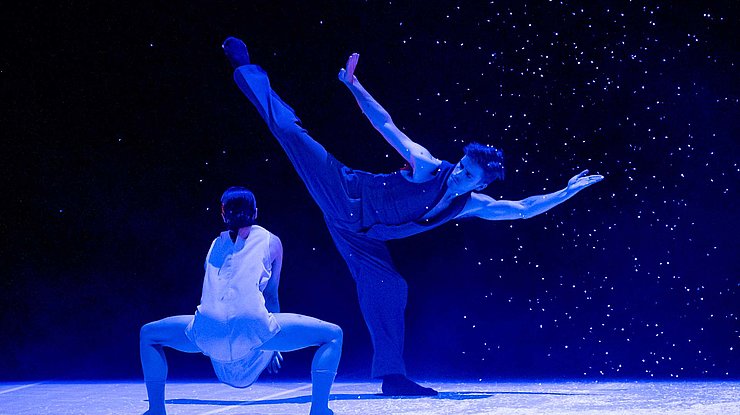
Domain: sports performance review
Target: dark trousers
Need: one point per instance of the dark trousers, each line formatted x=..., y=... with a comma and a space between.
x=381, y=290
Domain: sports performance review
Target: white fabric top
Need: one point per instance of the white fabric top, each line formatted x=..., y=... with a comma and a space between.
x=231, y=319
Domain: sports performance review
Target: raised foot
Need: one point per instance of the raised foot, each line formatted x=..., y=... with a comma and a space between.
x=236, y=52
x=399, y=385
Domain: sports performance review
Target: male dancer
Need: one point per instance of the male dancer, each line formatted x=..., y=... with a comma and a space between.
x=363, y=210
x=238, y=323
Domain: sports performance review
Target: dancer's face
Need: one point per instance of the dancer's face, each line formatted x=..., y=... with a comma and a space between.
x=466, y=176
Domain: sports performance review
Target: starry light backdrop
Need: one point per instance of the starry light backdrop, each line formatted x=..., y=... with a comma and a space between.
x=122, y=127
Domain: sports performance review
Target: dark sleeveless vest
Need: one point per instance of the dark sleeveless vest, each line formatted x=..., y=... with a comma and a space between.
x=392, y=207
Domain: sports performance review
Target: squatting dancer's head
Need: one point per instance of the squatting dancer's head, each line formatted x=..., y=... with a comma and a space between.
x=480, y=166
x=238, y=208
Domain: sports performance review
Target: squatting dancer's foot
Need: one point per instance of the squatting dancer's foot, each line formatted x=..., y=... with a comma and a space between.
x=323, y=411
x=236, y=52
x=399, y=385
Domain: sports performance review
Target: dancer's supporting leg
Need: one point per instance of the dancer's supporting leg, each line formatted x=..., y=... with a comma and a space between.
x=323, y=175
x=382, y=292
x=298, y=332
x=169, y=332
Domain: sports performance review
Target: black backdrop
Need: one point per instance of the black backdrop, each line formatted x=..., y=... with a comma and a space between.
x=122, y=126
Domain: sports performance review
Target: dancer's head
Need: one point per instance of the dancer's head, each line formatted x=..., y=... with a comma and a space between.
x=480, y=166
x=238, y=208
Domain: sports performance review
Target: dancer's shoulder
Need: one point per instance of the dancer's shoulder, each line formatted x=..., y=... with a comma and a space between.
x=257, y=229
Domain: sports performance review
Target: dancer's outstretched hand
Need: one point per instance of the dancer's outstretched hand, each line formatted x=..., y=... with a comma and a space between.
x=347, y=74
x=580, y=181
x=275, y=363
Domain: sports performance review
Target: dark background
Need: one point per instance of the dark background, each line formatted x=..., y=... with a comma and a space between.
x=121, y=127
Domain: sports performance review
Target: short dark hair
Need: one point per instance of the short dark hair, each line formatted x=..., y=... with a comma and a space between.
x=239, y=206
x=489, y=158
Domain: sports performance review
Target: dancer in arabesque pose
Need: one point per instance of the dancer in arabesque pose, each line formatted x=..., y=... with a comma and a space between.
x=363, y=210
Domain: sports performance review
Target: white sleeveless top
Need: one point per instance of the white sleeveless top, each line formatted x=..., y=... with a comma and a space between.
x=231, y=319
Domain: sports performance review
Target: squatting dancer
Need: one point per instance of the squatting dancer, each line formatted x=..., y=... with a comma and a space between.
x=363, y=210
x=238, y=323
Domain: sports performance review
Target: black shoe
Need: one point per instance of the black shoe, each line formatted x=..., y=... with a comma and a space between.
x=400, y=385
x=236, y=52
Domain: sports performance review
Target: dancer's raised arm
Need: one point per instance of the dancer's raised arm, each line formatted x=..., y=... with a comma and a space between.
x=421, y=161
x=485, y=207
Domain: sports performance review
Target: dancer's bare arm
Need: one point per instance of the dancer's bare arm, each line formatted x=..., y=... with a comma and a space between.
x=421, y=161
x=485, y=207
x=270, y=293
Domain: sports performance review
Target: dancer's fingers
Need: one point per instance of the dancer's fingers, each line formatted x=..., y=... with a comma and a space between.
x=352, y=64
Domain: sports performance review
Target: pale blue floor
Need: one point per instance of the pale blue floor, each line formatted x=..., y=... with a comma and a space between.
x=202, y=398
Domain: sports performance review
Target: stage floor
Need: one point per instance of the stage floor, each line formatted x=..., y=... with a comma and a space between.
x=360, y=398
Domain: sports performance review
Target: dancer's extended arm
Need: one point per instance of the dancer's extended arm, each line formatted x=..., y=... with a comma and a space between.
x=421, y=161
x=485, y=207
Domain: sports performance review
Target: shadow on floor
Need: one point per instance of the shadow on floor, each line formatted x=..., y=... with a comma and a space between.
x=453, y=396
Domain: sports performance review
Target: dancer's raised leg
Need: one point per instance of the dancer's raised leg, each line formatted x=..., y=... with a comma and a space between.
x=328, y=181
x=169, y=332
x=298, y=332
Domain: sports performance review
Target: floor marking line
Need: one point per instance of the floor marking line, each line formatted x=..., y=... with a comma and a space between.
x=20, y=387
x=264, y=398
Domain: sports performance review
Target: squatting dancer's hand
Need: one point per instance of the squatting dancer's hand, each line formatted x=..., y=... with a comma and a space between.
x=347, y=75
x=275, y=363
x=580, y=181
